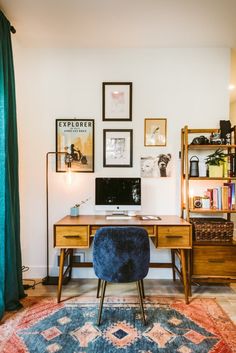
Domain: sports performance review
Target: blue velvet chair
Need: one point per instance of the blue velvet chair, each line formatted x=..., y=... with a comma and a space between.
x=121, y=255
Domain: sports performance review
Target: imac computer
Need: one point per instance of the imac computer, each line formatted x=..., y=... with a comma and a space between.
x=120, y=196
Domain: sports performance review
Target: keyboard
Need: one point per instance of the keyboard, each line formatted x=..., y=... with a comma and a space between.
x=118, y=217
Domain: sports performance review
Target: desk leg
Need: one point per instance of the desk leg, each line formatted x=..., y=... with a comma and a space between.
x=189, y=273
x=62, y=259
x=173, y=263
x=71, y=262
x=184, y=272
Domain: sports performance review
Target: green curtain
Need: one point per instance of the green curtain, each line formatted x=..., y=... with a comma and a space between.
x=11, y=288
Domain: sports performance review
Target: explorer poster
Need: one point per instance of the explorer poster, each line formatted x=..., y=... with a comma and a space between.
x=75, y=138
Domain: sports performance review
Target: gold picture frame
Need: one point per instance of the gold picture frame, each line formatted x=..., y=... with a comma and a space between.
x=155, y=132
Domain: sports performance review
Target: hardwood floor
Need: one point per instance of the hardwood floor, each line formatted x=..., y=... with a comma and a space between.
x=224, y=294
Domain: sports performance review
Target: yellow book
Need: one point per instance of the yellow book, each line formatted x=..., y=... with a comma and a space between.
x=225, y=167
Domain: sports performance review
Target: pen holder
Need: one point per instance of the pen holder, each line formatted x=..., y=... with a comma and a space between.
x=74, y=211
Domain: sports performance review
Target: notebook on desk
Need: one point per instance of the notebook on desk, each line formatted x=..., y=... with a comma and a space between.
x=150, y=218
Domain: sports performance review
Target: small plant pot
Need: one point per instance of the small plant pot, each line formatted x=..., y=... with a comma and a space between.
x=215, y=171
x=74, y=211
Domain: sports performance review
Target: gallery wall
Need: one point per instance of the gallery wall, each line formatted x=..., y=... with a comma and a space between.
x=186, y=86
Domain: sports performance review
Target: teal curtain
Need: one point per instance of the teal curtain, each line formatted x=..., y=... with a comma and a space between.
x=11, y=288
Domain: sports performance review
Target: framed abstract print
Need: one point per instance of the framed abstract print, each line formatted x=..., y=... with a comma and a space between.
x=117, y=148
x=117, y=101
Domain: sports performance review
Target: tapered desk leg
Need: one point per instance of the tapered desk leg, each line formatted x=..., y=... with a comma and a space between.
x=71, y=262
x=173, y=263
x=62, y=259
x=189, y=272
x=184, y=272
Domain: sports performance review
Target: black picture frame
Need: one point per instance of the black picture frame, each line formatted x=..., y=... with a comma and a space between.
x=76, y=137
x=117, y=101
x=117, y=148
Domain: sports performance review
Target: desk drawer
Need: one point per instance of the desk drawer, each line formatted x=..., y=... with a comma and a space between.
x=149, y=229
x=71, y=237
x=174, y=237
x=214, y=260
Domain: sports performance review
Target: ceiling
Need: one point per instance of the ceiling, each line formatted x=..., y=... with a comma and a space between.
x=123, y=23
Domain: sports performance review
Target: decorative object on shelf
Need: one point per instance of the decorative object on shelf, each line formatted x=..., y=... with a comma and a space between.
x=197, y=202
x=74, y=211
x=214, y=162
x=215, y=139
x=156, y=166
x=118, y=148
x=225, y=131
x=200, y=140
x=155, y=132
x=206, y=202
x=117, y=101
x=194, y=167
x=75, y=137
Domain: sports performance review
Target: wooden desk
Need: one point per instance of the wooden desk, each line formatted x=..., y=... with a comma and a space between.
x=171, y=232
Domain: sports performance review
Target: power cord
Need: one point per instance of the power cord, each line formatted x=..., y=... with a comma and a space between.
x=32, y=283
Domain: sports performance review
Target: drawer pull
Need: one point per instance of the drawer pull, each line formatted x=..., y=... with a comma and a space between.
x=174, y=236
x=71, y=236
x=217, y=261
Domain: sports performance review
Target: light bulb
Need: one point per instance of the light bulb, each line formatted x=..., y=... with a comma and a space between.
x=69, y=176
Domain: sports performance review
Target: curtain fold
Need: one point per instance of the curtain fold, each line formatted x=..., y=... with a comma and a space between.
x=11, y=287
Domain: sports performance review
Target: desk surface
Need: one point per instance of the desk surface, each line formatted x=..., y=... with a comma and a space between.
x=101, y=220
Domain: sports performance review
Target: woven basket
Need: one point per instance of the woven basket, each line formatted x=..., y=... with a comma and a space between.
x=212, y=229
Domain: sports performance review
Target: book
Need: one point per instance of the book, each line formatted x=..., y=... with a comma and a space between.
x=225, y=197
x=215, y=198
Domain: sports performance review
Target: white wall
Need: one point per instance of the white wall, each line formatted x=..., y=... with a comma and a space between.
x=187, y=86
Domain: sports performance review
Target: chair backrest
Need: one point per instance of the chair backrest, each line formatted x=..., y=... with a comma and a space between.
x=121, y=254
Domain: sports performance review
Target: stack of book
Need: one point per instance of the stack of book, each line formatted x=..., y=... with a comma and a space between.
x=222, y=197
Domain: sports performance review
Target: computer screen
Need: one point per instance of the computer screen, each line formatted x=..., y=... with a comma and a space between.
x=118, y=194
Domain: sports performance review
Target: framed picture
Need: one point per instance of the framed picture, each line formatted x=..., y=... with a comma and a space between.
x=76, y=137
x=117, y=148
x=117, y=101
x=156, y=166
x=155, y=132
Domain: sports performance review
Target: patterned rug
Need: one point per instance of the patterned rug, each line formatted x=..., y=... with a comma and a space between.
x=70, y=327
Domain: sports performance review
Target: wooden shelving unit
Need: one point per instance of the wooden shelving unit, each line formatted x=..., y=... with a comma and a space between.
x=210, y=261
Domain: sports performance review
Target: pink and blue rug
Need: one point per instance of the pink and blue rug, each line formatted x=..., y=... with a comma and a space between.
x=70, y=327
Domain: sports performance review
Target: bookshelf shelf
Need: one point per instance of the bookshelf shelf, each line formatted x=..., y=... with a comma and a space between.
x=210, y=210
x=210, y=147
x=206, y=256
x=215, y=178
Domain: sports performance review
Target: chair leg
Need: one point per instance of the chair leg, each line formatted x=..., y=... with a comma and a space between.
x=139, y=285
x=98, y=287
x=104, y=283
x=142, y=287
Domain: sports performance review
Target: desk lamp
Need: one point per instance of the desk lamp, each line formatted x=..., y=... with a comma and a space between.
x=48, y=280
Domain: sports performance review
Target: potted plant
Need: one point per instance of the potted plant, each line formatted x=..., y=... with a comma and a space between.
x=74, y=211
x=214, y=162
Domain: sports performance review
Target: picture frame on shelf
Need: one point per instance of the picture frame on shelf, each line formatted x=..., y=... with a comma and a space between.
x=118, y=148
x=155, y=132
x=76, y=137
x=117, y=101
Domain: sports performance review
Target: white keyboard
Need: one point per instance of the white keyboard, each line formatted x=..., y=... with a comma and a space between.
x=118, y=217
